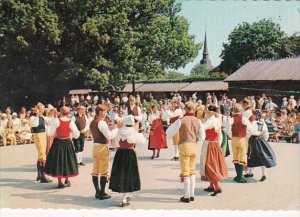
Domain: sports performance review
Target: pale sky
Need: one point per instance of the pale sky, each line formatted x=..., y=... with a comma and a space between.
x=221, y=17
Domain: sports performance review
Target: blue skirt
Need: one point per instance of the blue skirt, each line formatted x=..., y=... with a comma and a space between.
x=260, y=153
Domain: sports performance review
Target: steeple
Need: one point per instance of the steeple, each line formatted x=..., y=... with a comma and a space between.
x=205, y=59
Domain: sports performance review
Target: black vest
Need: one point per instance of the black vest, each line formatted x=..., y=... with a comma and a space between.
x=41, y=127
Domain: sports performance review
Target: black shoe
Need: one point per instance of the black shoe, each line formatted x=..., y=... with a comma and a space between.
x=82, y=164
x=61, y=186
x=242, y=180
x=45, y=180
x=125, y=204
x=175, y=158
x=263, y=178
x=104, y=196
x=185, y=200
x=216, y=192
x=152, y=157
x=209, y=189
x=38, y=178
x=235, y=179
x=192, y=198
x=248, y=175
x=67, y=184
x=157, y=156
x=97, y=195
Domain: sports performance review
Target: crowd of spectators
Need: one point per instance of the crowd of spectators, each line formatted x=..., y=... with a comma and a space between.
x=282, y=119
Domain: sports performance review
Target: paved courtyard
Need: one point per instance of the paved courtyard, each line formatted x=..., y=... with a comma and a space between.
x=161, y=188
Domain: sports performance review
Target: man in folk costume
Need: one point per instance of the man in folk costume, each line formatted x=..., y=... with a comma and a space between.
x=101, y=136
x=190, y=131
x=134, y=110
x=82, y=123
x=38, y=126
x=238, y=127
x=175, y=115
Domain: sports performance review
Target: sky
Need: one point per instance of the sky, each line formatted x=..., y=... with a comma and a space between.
x=219, y=18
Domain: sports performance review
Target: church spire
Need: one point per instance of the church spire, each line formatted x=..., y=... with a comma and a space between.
x=205, y=59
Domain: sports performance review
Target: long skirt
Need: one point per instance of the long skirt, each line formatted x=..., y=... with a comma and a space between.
x=260, y=153
x=157, y=138
x=49, y=143
x=215, y=165
x=125, y=175
x=61, y=161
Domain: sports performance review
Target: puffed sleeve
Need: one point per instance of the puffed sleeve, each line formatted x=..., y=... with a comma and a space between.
x=52, y=126
x=74, y=129
x=173, y=128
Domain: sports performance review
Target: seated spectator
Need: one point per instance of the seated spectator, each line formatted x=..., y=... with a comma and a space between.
x=25, y=132
x=296, y=134
x=9, y=135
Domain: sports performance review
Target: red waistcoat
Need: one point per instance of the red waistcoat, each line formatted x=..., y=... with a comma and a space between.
x=238, y=128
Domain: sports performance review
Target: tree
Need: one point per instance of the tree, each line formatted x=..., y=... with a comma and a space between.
x=200, y=70
x=290, y=45
x=262, y=39
x=48, y=47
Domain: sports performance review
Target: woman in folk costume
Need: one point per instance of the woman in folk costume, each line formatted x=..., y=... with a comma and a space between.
x=125, y=176
x=157, y=137
x=51, y=114
x=212, y=162
x=260, y=154
x=61, y=160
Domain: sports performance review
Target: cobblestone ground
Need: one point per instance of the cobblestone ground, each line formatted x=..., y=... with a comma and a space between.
x=161, y=188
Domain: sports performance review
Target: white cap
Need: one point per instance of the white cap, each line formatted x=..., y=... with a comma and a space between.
x=128, y=120
x=292, y=97
x=14, y=114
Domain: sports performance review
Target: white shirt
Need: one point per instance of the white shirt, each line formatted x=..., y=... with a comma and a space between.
x=131, y=135
x=103, y=127
x=264, y=132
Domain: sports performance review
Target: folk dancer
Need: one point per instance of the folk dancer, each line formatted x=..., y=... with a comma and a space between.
x=37, y=123
x=157, y=137
x=125, y=176
x=190, y=131
x=175, y=115
x=260, y=154
x=101, y=136
x=82, y=124
x=237, y=129
x=61, y=159
x=135, y=110
x=212, y=162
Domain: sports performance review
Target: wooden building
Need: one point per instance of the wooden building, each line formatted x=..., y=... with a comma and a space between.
x=276, y=78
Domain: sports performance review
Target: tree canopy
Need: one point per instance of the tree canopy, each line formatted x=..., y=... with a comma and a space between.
x=262, y=39
x=200, y=70
x=50, y=46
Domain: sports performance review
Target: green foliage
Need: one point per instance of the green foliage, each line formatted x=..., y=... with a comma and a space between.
x=262, y=39
x=200, y=70
x=50, y=46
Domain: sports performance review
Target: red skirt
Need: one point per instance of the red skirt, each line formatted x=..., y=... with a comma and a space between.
x=157, y=137
x=215, y=166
